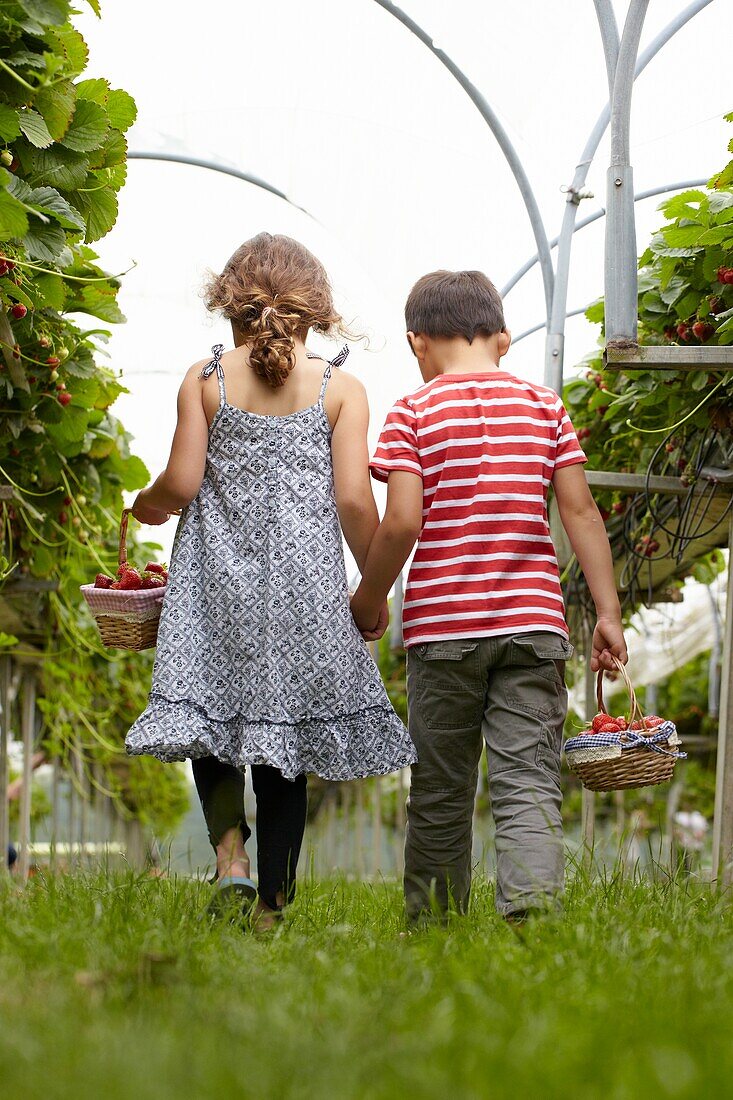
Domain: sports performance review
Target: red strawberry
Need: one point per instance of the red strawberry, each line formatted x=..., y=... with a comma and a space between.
x=103, y=581
x=605, y=514
x=115, y=584
x=18, y=311
x=682, y=330
x=63, y=516
x=702, y=330
x=53, y=360
x=619, y=507
x=63, y=397
x=729, y=276
x=130, y=579
x=154, y=567
x=4, y=268
x=598, y=721
x=154, y=580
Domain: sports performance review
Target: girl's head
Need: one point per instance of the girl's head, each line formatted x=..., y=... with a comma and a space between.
x=274, y=291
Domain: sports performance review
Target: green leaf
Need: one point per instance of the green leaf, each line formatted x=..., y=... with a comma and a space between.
x=9, y=123
x=48, y=201
x=679, y=205
x=44, y=242
x=121, y=108
x=49, y=411
x=682, y=236
x=134, y=472
x=46, y=12
x=97, y=301
x=112, y=151
x=88, y=127
x=73, y=47
x=57, y=104
x=688, y=304
x=721, y=200
x=94, y=5
x=596, y=311
x=659, y=247
x=95, y=89
x=13, y=217
x=34, y=128
x=99, y=210
x=51, y=290
x=71, y=427
x=58, y=167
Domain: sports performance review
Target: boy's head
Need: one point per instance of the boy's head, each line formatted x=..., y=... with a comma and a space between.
x=448, y=312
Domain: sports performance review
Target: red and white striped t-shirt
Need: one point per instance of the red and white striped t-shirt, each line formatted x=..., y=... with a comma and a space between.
x=486, y=447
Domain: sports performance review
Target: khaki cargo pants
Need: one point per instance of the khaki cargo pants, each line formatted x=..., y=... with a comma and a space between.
x=510, y=691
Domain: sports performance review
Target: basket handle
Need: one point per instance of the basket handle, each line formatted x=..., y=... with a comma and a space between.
x=122, y=554
x=635, y=709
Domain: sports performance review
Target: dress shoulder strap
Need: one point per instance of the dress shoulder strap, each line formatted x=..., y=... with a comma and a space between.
x=337, y=361
x=215, y=365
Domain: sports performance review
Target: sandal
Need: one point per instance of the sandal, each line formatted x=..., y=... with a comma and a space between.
x=233, y=895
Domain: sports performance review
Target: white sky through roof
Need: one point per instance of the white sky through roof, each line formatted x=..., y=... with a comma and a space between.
x=336, y=104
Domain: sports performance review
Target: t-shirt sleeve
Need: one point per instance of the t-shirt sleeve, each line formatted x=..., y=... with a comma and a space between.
x=397, y=446
x=568, y=450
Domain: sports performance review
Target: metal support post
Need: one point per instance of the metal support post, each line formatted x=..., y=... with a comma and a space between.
x=620, y=265
x=5, y=674
x=395, y=626
x=723, y=819
x=27, y=725
x=588, y=812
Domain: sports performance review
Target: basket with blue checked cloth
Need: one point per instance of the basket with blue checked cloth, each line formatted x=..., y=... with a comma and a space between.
x=639, y=757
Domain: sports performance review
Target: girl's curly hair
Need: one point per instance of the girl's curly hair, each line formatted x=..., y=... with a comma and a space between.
x=273, y=290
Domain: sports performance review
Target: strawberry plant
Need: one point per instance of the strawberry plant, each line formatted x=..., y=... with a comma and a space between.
x=666, y=422
x=66, y=457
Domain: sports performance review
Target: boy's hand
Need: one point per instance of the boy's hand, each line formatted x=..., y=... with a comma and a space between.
x=371, y=620
x=154, y=517
x=608, y=642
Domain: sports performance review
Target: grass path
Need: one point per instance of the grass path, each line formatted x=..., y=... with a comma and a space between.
x=118, y=988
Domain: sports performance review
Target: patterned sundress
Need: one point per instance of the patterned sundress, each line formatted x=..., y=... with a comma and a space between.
x=259, y=660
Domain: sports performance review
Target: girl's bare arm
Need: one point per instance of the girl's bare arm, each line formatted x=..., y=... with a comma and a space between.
x=355, y=504
x=181, y=480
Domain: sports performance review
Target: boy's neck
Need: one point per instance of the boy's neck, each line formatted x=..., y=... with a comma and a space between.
x=457, y=356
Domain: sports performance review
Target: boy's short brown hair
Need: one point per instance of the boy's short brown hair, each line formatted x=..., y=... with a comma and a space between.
x=454, y=303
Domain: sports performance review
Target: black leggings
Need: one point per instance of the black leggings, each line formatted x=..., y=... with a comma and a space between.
x=281, y=809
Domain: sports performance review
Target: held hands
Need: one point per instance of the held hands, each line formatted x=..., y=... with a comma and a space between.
x=608, y=642
x=372, y=621
x=154, y=517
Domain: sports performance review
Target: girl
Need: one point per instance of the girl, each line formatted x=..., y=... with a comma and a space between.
x=259, y=661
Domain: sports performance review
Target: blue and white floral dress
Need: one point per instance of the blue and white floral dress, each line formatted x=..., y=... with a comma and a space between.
x=259, y=660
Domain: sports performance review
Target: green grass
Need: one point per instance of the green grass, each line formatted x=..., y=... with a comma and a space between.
x=118, y=988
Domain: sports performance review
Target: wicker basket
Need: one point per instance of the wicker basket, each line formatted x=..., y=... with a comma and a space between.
x=614, y=762
x=127, y=618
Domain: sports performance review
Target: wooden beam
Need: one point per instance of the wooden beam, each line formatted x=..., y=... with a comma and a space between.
x=602, y=479
x=622, y=355
x=723, y=819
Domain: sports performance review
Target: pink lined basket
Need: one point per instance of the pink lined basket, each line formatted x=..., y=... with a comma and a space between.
x=126, y=618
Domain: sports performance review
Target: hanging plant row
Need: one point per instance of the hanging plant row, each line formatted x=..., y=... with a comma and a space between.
x=64, y=456
x=662, y=422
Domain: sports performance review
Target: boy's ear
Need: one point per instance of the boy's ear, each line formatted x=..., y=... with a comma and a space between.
x=504, y=342
x=417, y=344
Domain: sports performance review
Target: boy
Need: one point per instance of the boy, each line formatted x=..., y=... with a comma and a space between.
x=469, y=458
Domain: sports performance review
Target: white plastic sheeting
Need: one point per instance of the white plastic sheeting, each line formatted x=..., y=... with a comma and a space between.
x=664, y=638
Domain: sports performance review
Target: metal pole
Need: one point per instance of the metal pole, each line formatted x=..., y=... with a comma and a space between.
x=609, y=36
x=620, y=264
x=553, y=363
x=56, y=775
x=5, y=675
x=214, y=166
x=27, y=725
x=723, y=819
x=588, y=812
x=502, y=138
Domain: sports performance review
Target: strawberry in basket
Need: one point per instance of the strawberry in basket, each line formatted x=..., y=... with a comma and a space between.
x=127, y=608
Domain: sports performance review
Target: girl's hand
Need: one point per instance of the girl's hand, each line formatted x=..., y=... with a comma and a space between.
x=153, y=517
x=372, y=621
